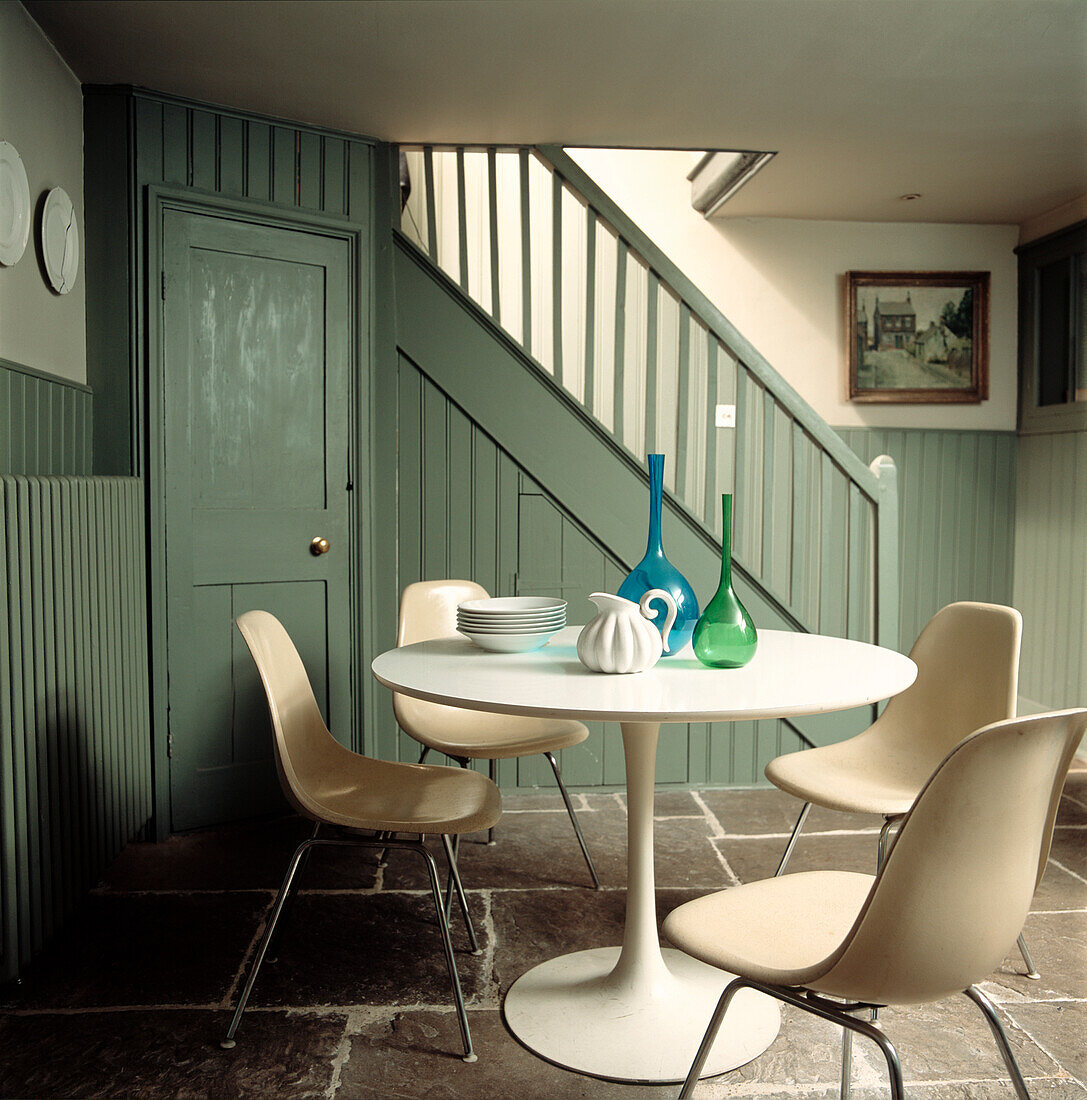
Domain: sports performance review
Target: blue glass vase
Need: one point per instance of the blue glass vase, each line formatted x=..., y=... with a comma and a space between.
x=656, y=571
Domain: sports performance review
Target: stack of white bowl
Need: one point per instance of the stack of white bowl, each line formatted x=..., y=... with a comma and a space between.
x=511, y=624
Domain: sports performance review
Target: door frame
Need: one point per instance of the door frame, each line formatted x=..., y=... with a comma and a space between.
x=159, y=199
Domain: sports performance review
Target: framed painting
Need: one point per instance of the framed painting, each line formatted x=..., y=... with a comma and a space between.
x=918, y=336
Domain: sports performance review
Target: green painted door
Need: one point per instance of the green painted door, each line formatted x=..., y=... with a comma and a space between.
x=256, y=350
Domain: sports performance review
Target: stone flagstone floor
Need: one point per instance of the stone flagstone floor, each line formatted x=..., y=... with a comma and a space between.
x=132, y=1001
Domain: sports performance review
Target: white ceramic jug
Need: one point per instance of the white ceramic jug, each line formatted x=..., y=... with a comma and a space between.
x=621, y=638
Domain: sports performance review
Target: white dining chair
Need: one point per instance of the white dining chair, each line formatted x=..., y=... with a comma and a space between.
x=343, y=793
x=428, y=609
x=938, y=916
x=967, y=659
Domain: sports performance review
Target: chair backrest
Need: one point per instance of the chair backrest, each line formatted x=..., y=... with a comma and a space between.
x=428, y=609
x=306, y=753
x=957, y=884
x=967, y=659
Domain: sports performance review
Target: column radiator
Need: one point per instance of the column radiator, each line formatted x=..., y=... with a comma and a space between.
x=75, y=751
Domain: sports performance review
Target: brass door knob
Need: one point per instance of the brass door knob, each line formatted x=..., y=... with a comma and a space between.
x=319, y=546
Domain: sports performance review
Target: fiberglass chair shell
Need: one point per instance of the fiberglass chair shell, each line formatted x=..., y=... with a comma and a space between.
x=342, y=791
x=939, y=915
x=428, y=609
x=967, y=659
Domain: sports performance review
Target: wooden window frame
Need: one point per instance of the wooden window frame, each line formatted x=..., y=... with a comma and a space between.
x=1035, y=419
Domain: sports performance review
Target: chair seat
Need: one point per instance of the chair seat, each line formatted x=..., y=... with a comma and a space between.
x=480, y=735
x=861, y=775
x=781, y=930
x=363, y=793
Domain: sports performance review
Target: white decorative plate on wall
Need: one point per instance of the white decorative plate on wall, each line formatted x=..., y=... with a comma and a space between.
x=60, y=240
x=14, y=205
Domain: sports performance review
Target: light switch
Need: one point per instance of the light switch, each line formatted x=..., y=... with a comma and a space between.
x=725, y=416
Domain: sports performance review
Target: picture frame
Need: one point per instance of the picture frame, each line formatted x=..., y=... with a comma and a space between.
x=917, y=337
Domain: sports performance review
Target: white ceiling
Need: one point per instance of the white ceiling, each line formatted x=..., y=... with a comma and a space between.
x=978, y=105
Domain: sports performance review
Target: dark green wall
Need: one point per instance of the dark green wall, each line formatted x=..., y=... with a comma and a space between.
x=134, y=140
x=45, y=423
x=140, y=145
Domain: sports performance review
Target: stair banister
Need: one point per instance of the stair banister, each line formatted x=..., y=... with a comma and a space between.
x=816, y=528
x=718, y=323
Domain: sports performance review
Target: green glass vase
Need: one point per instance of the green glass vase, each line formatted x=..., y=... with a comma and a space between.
x=724, y=636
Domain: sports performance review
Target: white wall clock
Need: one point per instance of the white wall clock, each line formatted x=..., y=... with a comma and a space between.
x=60, y=240
x=14, y=205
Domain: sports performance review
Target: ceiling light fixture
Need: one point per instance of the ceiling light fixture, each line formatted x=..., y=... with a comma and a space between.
x=910, y=197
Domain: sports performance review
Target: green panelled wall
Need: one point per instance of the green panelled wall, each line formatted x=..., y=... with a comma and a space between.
x=1051, y=569
x=45, y=423
x=134, y=140
x=957, y=514
x=75, y=752
x=468, y=509
x=139, y=145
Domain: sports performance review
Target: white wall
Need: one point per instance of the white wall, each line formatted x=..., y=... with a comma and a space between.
x=780, y=282
x=41, y=114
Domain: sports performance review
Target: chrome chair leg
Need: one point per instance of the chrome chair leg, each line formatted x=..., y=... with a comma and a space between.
x=464, y=762
x=227, y=1042
x=272, y=954
x=447, y=943
x=845, y=1088
x=573, y=819
x=382, y=856
x=884, y=832
x=700, y=1057
x=1001, y=1038
x=492, y=771
x=1032, y=970
x=821, y=1008
x=793, y=837
x=454, y=875
x=436, y=891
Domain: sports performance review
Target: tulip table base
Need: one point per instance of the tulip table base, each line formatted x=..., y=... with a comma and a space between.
x=579, y=1012
x=636, y=1013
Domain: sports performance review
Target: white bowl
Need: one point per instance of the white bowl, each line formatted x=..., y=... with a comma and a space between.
x=510, y=643
x=513, y=605
x=543, y=613
x=511, y=622
x=550, y=628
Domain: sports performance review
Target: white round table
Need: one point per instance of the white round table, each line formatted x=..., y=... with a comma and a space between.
x=635, y=1012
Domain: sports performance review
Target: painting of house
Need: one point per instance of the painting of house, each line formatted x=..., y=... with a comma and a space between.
x=894, y=324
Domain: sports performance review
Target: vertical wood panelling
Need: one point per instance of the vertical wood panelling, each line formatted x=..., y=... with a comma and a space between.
x=466, y=509
x=957, y=516
x=231, y=156
x=142, y=140
x=1050, y=586
x=45, y=423
x=74, y=737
